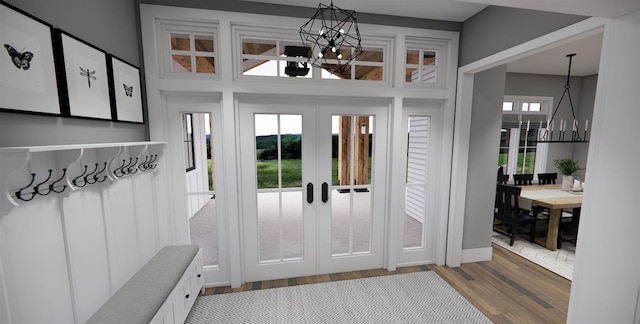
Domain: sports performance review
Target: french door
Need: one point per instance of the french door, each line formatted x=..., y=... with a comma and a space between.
x=313, y=181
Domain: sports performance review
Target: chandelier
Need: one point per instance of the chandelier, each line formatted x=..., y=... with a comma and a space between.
x=561, y=135
x=332, y=38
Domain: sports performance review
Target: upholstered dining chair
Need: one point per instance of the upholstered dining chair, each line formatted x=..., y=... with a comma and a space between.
x=523, y=179
x=508, y=213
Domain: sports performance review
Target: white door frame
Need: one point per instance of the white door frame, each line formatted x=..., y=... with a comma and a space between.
x=429, y=251
x=462, y=124
x=176, y=104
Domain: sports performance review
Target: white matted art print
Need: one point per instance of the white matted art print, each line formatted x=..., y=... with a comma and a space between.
x=27, y=71
x=87, y=83
x=126, y=95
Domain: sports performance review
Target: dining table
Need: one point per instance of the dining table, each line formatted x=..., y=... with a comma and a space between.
x=553, y=198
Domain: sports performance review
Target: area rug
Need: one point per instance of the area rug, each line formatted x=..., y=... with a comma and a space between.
x=419, y=297
x=559, y=261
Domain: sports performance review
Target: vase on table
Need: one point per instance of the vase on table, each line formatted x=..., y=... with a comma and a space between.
x=567, y=182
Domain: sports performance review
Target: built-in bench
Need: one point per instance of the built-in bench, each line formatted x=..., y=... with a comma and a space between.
x=162, y=291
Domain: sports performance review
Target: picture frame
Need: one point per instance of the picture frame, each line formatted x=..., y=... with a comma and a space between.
x=83, y=78
x=125, y=91
x=28, y=82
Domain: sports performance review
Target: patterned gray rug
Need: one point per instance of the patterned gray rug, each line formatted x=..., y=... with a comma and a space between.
x=420, y=297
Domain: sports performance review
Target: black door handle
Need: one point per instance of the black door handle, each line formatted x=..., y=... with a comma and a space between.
x=310, y=192
x=325, y=192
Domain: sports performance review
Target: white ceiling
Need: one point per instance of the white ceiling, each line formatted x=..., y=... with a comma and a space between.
x=555, y=62
x=552, y=61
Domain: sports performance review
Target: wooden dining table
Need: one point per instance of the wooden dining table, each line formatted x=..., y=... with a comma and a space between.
x=552, y=197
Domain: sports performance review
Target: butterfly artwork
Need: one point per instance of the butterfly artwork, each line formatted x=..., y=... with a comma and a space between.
x=89, y=74
x=128, y=90
x=22, y=60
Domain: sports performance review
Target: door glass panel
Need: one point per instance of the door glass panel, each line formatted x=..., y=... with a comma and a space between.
x=416, y=182
x=352, y=142
x=279, y=184
x=201, y=196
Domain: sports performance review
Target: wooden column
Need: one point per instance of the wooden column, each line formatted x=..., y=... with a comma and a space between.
x=344, y=150
x=361, y=172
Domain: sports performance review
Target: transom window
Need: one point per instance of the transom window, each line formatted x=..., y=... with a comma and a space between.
x=424, y=61
x=266, y=57
x=262, y=53
x=190, y=49
x=192, y=53
x=523, y=118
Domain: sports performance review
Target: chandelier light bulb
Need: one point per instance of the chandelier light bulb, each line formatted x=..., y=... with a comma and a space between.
x=341, y=31
x=333, y=49
x=321, y=32
x=339, y=56
x=320, y=55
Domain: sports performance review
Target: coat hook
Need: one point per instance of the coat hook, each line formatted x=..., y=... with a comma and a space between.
x=75, y=180
x=19, y=193
x=152, y=165
x=52, y=186
x=95, y=177
x=133, y=166
x=36, y=188
x=86, y=178
x=120, y=169
x=142, y=166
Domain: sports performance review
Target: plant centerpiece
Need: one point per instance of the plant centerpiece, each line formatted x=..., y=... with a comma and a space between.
x=569, y=168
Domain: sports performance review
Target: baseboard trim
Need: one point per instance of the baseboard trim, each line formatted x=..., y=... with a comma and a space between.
x=477, y=255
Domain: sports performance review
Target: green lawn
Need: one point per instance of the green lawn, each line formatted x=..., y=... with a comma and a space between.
x=291, y=173
x=529, y=162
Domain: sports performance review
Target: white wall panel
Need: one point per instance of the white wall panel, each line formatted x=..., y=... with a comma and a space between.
x=124, y=229
x=87, y=250
x=35, y=263
x=144, y=214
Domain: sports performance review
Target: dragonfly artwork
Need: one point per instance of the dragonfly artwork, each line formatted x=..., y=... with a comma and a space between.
x=88, y=74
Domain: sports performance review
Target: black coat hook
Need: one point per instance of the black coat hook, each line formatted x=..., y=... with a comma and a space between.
x=20, y=195
x=95, y=177
x=151, y=164
x=36, y=188
x=133, y=166
x=119, y=172
x=142, y=166
x=75, y=180
x=86, y=178
x=52, y=186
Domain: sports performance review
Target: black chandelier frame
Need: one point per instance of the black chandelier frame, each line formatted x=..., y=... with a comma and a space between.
x=332, y=38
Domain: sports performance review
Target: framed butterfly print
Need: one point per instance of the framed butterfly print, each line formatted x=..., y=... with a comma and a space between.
x=28, y=81
x=83, y=78
x=126, y=94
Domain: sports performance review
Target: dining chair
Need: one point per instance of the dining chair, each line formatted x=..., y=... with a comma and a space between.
x=568, y=229
x=509, y=214
x=502, y=178
x=523, y=179
x=547, y=178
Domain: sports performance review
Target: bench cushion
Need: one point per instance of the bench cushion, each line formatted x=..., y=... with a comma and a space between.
x=142, y=296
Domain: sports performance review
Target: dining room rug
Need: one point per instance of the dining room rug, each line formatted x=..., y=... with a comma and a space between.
x=559, y=261
x=419, y=297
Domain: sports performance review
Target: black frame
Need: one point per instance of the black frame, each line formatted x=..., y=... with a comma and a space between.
x=50, y=35
x=63, y=86
x=113, y=88
x=188, y=140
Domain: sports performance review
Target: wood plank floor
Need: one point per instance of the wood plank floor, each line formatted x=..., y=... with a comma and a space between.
x=507, y=289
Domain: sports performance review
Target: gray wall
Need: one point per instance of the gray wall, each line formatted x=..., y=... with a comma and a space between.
x=107, y=24
x=486, y=118
x=495, y=29
x=553, y=86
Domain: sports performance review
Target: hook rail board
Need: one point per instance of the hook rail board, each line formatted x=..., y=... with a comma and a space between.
x=27, y=173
